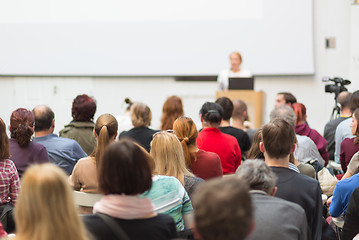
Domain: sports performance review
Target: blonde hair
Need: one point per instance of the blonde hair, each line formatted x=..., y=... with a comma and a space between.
x=141, y=115
x=45, y=208
x=186, y=132
x=167, y=153
x=106, y=128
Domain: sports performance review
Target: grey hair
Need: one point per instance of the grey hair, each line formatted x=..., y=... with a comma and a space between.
x=286, y=113
x=258, y=175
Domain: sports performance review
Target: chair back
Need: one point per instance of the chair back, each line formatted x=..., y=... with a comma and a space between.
x=86, y=199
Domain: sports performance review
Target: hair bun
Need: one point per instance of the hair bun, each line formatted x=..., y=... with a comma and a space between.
x=186, y=140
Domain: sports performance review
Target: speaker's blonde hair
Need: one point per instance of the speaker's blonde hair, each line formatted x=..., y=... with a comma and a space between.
x=45, y=208
x=167, y=153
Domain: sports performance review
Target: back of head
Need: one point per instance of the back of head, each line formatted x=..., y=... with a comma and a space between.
x=129, y=103
x=356, y=131
x=167, y=152
x=43, y=118
x=172, y=109
x=212, y=113
x=21, y=126
x=4, y=142
x=186, y=132
x=258, y=175
x=286, y=113
x=278, y=138
x=239, y=107
x=300, y=111
x=83, y=108
x=255, y=152
x=288, y=97
x=227, y=106
x=344, y=99
x=45, y=208
x=223, y=209
x=354, y=101
x=125, y=169
x=141, y=115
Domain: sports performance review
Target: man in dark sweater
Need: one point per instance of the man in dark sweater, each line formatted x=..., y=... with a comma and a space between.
x=277, y=144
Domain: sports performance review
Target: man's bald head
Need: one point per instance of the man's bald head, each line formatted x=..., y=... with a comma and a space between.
x=44, y=117
x=344, y=99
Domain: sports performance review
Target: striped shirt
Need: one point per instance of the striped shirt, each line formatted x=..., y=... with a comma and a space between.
x=9, y=182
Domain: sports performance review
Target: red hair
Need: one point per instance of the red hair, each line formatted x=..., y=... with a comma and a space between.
x=83, y=108
x=21, y=126
x=300, y=111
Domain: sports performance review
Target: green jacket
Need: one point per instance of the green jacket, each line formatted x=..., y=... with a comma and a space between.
x=82, y=132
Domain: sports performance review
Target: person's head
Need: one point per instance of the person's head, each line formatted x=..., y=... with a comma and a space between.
x=141, y=115
x=235, y=59
x=167, y=152
x=227, y=106
x=105, y=132
x=301, y=112
x=354, y=125
x=278, y=139
x=286, y=113
x=344, y=99
x=354, y=101
x=255, y=152
x=223, y=209
x=211, y=114
x=258, y=175
x=44, y=118
x=45, y=207
x=283, y=98
x=186, y=132
x=83, y=108
x=125, y=169
x=22, y=126
x=129, y=104
x=172, y=109
x=239, y=110
x=4, y=142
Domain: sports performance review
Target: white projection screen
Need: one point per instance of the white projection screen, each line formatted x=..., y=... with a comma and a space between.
x=154, y=37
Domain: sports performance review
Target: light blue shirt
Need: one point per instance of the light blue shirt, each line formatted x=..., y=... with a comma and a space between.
x=342, y=132
x=63, y=152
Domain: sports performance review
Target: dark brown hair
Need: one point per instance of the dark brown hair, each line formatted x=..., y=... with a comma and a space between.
x=43, y=118
x=83, y=108
x=288, y=97
x=227, y=106
x=354, y=101
x=125, y=169
x=172, y=109
x=356, y=116
x=4, y=142
x=21, y=126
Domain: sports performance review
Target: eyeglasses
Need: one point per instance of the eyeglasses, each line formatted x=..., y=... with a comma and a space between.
x=159, y=132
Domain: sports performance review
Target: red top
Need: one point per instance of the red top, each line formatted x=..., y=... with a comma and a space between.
x=207, y=165
x=226, y=146
x=347, y=150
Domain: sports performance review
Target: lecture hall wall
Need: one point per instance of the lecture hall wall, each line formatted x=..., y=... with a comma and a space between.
x=332, y=18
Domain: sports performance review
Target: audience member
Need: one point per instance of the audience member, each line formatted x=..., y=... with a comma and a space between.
x=81, y=127
x=63, y=152
x=353, y=166
x=167, y=153
x=223, y=210
x=45, y=209
x=343, y=130
x=211, y=139
x=278, y=142
x=141, y=117
x=255, y=152
x=172, y=109
x=125, y=173
x=351, y=222
x=239, y=134
x=350, y=146
x=85, y=173
x=23, y=151
x=303, y=129
x=270, y=210
x=284, y=98
x=240, y=116
x=124, y=120
x=329, y=129
x=205, y=165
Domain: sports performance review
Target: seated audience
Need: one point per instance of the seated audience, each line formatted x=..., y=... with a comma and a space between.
x=240, y=116
x=81, y=127
x=63, y=152
x=343, y=129
x=167, y=153
x=172, y=109
x=141, y=117
x=124, y=120
x=45, y=208
x=23, y=151
x=223, y=210
x=211, y=139
x=303, y=129
x=351, y=222
x=225, y=127
x=350, y=146
x=270, y=210
x=329, y=129
x=278, y=142
x=353, y=166
x=124, y=174
x=284, y=98
x=205, y=165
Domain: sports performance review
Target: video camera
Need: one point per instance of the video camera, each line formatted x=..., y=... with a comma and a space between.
x=338, y=85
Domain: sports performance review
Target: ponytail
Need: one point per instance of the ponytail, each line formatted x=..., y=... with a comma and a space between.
x=102, y=142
